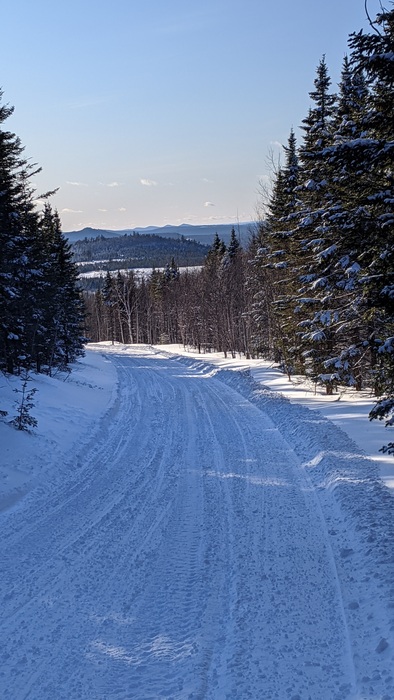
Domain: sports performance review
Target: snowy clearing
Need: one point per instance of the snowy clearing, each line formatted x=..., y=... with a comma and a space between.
x=173, y=530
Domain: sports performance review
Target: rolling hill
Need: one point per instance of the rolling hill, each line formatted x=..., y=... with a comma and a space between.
x=201, y=234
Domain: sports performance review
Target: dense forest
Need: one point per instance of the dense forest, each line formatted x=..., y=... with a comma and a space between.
x=41, y=310
x=314, y=289
x=136, y=250
x=198, y=307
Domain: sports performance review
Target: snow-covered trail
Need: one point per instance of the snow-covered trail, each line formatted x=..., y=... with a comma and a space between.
x=184, y=554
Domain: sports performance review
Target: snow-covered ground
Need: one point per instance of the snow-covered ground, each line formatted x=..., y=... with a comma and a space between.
x=67, y=407
x=347, y=409
x=140, y=272
x=173, y=529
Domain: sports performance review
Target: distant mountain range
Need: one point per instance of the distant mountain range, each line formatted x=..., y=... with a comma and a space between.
x=202, y=234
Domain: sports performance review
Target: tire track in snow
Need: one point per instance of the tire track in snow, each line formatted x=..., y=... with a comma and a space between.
x=359, y=513
x=248, y=619
x=306, y=485
x=184, y=558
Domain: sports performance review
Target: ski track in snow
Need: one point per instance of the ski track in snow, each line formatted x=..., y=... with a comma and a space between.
x=211, y=542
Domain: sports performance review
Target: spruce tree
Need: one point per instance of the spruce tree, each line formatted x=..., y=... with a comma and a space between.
x=67, y=319
x=232, y=284
x=213, y=295
x=372, y=54
x=110, y=303
x=17, y=228
x=41, y=311
x=349, y=186
x=312, y=235
x=274, y=265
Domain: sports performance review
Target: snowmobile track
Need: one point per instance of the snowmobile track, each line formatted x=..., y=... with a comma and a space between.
x=186, y=553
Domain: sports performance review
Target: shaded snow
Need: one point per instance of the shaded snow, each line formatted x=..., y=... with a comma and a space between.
x=67, y=408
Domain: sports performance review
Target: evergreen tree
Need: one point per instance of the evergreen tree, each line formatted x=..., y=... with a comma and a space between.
x=232, y=285
x=274, y=264
x=212, y=301
x=314, y=233
x=233, y=246
x=41, y=312
x=110, y=305
x=372, y=54
x=68, y=313
x=349, y=185
x=23, y=419
x=17, y=227
x=171, y=271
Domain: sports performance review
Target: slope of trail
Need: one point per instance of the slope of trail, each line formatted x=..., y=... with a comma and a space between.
x=187, y=554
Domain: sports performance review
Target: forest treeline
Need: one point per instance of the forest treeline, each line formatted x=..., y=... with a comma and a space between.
x=314, y=289
x=136, y=250
x=202, y=308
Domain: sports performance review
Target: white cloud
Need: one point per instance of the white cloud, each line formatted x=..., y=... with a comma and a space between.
x=103, y=210
x=209, y=204
x=122, y=209
x=113, y=184
x=205, y=179
x=148, y=183
x=71, y=211
x=76, y=184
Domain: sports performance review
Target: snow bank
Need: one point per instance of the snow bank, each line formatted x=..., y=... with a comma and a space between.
x=67, y=408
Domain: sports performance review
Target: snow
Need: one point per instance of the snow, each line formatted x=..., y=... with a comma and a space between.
x=101, y=262
x=140, y=272
x=177, y=528
x=67, y=408
x=347, y=409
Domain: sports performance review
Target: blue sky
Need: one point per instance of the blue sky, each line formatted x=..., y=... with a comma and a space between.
x=148, y=112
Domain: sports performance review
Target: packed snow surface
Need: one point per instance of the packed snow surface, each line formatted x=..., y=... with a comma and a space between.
x=201, y=537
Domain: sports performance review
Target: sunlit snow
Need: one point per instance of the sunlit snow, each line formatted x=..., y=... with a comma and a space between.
x=175, y=527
